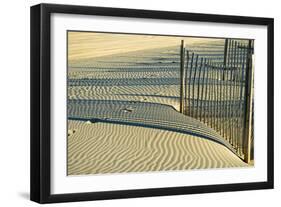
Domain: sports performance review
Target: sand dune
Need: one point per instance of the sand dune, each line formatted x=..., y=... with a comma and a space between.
x=83, y=45
x=111, y=148
x=150, y=75
x=129, y=79
x=149, y=115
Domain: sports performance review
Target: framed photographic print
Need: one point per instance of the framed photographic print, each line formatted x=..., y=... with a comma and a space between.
x=132, y=103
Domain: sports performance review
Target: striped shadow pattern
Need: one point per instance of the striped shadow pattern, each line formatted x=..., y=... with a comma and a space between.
x=149, y=115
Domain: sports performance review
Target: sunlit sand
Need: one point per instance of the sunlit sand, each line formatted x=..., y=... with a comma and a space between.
x=116, y=68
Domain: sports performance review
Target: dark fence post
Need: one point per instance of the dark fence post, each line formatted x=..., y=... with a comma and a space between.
x=193, y=85
x=248, y=105
x=225, y=55
x=242, y=94
x=181, y=76
x=203, y=100
x=198, y=89
x=185, y=83
x=189, y=84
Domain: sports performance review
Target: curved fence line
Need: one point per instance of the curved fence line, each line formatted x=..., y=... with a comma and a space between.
x=218, y=92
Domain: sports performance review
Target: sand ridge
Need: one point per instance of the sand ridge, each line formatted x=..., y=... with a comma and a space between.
x=149, y=115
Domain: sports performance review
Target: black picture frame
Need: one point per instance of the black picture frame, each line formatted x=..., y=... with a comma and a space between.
x=41, y=98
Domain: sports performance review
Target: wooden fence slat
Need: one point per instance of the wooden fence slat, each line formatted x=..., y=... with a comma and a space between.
x=248, y=105
x=233, y=96
x=185, y=83
x=228, y=89
x=189, y=84
x=224, y=105
x=237, y=72
x=198, y=83
x=217, y=97
x=210, y=93
x=193, y=85
x=213, y=97
x=206, y=103
x=242, y=90
x=202, y=91
x=182, y=49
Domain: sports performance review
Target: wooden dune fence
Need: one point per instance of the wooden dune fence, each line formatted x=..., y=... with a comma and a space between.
x=219, y=93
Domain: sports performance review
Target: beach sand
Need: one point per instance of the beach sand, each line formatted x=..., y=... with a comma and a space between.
x=98, y=148
x=116, y=68
x=84, y=45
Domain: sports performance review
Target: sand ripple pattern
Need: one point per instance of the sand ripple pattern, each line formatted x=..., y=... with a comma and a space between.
x=111, y=148
x=150, y=115
x=121, y=110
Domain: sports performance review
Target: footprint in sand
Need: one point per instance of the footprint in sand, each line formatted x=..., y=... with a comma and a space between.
x=128, y=110
x=71, y=132
x=143, y=99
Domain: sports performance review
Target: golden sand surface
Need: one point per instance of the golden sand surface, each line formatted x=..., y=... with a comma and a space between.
x=119, y=67
x=84, y=45
x=98, y=148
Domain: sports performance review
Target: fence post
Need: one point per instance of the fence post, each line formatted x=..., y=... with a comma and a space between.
x=185, y=83
x=225, y=55
x=248, y=106
x=182, y=76
x=189, y=83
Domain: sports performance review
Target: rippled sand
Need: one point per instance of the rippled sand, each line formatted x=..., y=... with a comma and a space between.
x=97, y=148
x=130, y=68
